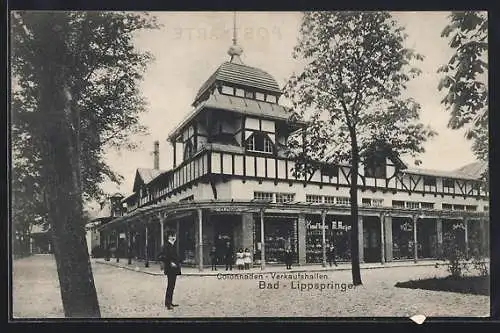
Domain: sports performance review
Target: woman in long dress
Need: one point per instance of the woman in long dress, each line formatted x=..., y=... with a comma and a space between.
x=240, y=261
x=247, y=258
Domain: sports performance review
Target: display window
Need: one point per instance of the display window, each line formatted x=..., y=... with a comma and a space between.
x=402, y=239
x=337, y=232
x=280, y=232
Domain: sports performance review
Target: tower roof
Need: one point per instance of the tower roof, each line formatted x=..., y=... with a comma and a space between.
x=243, y=75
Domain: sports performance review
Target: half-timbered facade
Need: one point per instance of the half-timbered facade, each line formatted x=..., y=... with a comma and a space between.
x=231, y=181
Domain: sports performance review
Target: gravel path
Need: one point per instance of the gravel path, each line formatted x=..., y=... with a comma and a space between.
x=124, y=293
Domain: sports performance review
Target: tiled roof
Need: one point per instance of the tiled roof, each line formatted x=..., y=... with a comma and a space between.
x=147, y=175
x=236, y=104
x=475, y=169
x=241, y=75
x=439, y=173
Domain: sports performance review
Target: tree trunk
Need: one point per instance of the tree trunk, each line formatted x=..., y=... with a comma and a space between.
x=60, y=163
x=356, y=273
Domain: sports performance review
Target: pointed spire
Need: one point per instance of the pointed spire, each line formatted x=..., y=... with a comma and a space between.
x=235, y=50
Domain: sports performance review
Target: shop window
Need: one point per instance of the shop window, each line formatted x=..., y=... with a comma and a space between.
x=447, y=206
x=259, y=96
x=429, y=181
x=259, y=142
x=279, y=234
x=271, y=99
x=402, y=240
x=240, y=92
x=343, y=201
x=471, y=208
x=398, y=204
x=285, y=197
x=427, y=205
x=329, y=199
x=313, y=198
x=264, y=196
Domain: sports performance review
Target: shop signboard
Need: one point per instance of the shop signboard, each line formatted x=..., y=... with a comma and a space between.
x=329, y=225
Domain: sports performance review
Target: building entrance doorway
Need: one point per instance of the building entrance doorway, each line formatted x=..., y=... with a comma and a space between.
x=224, y=232
x=371, y=239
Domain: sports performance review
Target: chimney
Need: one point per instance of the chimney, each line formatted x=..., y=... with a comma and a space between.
x=156, y=153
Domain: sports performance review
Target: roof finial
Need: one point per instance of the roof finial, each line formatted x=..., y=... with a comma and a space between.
x=234, y=28
x=235, y=50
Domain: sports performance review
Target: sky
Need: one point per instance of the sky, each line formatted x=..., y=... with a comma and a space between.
x=191, y=45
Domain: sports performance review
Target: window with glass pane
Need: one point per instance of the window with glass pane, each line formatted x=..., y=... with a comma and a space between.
x=343, y=201
x=447, y=206
x=377, y=202
x=227, y=90
x=250, y=144
x=448, y=182
x=265, y=196
x=271, y=98
x=412, y=205
x=249, y=94
x=240, y=92
x=375, y=168
x=260, y=142
x=259, y=96
x=313, y=198
x=471, y=208
x=429, y=181
x=458, y=207
x=366, y=202
x=427, y=205
x=398, y=204
x=285, y=197
x=329, y=199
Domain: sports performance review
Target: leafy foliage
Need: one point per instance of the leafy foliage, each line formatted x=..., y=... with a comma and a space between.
x=464, y=77
x=352, y=85
x=453, y=252
x=103, y=69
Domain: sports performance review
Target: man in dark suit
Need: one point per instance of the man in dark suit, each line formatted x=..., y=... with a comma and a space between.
x=171, y=267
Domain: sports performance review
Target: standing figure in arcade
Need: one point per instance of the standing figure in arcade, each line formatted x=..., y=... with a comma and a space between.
x=228, y=257
x=247, y=258
x=213, y=258
x=288, y=258
x=240, y=259
x=331, y=256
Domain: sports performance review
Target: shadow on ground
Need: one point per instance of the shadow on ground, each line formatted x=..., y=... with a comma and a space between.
x=475, y=285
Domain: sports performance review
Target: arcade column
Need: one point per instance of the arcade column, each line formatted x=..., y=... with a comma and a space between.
x=301, y=234
x=361, y=240
x=388, y=238
x=439, y=233
x=247, y=225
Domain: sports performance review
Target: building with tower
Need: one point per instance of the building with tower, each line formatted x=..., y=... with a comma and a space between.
x=231, y=181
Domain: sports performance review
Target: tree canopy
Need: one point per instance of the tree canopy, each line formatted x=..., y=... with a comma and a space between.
x=103, y=69
x=354, y=81
x=464, y=77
